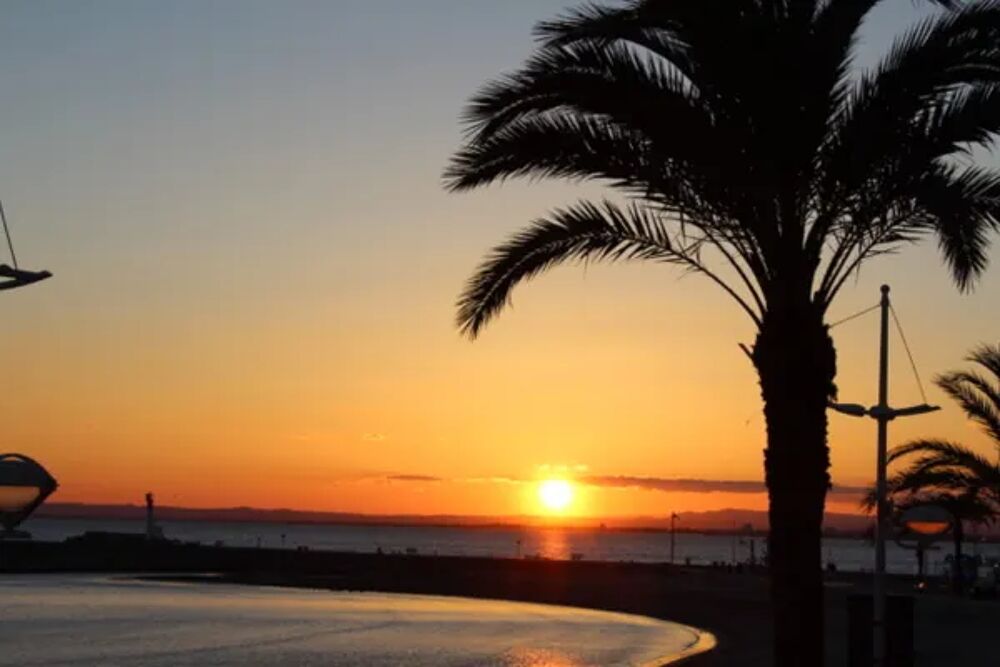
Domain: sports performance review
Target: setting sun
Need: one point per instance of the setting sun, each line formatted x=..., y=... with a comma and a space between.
x=555, y=494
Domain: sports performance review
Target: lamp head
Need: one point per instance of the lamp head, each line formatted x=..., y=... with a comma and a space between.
x=852, y=409
x=927, y=520
x=921, y=409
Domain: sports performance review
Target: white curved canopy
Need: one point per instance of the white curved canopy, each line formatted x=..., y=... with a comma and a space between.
x=24, y=485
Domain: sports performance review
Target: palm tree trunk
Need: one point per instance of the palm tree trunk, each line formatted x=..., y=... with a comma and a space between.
x=796, y=363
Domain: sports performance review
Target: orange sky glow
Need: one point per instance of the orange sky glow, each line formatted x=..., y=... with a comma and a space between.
x=256, y=267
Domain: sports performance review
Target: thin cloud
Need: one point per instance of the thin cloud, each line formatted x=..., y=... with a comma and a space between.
x=490, y=480
x=414, y=478
x=665, y=484
x=453, y=480
x=374, y=437
x=690, y=485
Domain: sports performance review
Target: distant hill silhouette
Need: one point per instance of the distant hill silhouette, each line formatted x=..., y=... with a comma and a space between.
x=725, y=521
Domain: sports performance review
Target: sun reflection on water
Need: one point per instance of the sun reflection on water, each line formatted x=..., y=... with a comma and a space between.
x=553, y=543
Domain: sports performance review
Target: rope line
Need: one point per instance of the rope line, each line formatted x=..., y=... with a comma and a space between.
x=6, y=231
x=906, y=346
x=854, y=316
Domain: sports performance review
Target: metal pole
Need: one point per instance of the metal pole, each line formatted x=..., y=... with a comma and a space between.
x=883, y=414
x=673, y=518
x=734, y=543
x=6, y=231
x=881, y=526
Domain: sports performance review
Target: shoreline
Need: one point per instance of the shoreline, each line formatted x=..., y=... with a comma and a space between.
x=704, y=640
x=704, y=522
x=130, y=619
x=136, y=515
x=732, y=606
x=691, y=597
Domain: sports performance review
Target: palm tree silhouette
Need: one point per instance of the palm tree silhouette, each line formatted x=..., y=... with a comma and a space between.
x=741, y=148
x=948, y=473
x=965, y=507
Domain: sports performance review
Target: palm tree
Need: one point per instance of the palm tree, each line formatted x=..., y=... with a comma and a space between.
x=948, y=473
x=950, y=466
x=947, y=466
x=740, y=146
x=965, y=507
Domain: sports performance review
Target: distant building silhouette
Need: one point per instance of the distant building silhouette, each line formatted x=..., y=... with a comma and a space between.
x=153, y=530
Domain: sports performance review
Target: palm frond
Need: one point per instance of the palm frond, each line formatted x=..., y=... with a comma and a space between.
x=963, y=498
x=963, y=507
x=869, y=501
x=941, y=466
x=947, y=454
x=652, y=26
x=739, y=123
x=962, y=209
x=933, y=95
x=606, y=81
x=563, y=146
x=922, y=478
x=966, y=507
x=940, y=54
x=835, y=32
x=950, y=467
x=583, y=232
x=987, y=356
x=978, y=397
x=963, y=119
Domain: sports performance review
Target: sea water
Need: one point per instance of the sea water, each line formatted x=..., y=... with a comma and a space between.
x=504, y=542
x=94, y=620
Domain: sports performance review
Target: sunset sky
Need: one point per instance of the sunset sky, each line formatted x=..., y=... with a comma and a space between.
x=256, y=268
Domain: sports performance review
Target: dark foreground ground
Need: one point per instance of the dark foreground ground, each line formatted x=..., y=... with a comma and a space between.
x=733, y=606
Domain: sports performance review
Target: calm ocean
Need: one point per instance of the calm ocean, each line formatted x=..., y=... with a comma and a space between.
x=556, y=543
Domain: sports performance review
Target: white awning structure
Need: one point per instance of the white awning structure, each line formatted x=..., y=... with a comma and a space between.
x=24, y=485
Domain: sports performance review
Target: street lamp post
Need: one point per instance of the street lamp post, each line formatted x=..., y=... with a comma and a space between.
x=923, y=524
x=673, y=530
x=882, y=413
